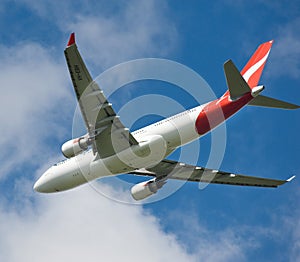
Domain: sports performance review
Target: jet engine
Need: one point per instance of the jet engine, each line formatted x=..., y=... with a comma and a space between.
x=146, y=189
x=75, y=146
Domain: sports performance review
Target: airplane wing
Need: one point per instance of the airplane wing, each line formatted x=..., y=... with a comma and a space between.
x=107, y=133
x=168, y=169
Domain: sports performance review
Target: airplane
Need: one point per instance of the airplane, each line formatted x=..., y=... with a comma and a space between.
x=109, y=148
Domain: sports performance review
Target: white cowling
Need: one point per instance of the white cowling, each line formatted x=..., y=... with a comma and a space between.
x=145, y=189
x=74, y=147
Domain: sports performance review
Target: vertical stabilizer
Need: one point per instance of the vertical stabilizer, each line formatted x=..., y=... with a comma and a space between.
x=253, y=69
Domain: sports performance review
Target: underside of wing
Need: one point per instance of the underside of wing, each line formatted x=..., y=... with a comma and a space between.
x=106, y=131
x=168, y=169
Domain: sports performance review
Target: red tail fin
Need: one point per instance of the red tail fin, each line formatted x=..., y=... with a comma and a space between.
x=253, y=69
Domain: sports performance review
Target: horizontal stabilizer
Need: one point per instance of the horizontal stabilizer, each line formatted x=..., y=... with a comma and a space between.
x=237, y=85
x=271, y=102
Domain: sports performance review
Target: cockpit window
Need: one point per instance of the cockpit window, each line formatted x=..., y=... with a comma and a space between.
x=61, y=162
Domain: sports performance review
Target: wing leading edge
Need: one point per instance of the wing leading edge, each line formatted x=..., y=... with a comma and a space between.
x=168, y=169
x=107, y=133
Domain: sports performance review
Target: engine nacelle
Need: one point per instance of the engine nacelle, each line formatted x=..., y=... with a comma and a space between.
x=145, y=189
x=75, y=146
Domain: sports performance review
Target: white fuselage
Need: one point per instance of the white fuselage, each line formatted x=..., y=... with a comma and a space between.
x=162, y=137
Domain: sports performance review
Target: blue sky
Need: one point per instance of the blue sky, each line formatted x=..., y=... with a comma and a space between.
x=218, y=223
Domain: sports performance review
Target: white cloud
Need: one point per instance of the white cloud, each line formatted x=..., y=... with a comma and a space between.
x=116, y=32
x=83, y=226
x=210, y=245
x=139, y=32
x=65, y=10
x=33, y=85
x=286, y=51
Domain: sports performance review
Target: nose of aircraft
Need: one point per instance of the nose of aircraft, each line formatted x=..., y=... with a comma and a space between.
x=42, y=185
x=37, y=186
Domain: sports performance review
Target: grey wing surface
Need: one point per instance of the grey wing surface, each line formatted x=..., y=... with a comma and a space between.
x=168, y=169
x=107, y=133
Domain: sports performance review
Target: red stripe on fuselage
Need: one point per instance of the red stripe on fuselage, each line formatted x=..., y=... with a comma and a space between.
x=217, y=111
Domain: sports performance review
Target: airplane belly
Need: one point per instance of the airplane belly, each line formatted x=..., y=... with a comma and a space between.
x=179, y=131
x=69, y=181
x=147, y=153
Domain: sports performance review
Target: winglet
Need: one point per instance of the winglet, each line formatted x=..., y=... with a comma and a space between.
x=71, y=40
x=290, y=179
